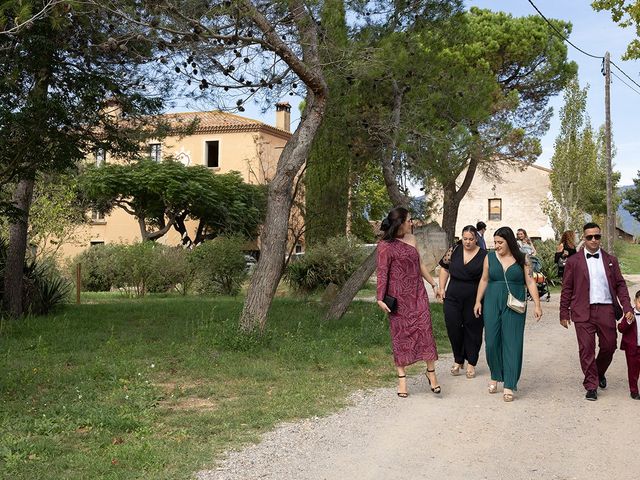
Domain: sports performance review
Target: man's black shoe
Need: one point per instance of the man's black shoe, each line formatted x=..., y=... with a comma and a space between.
x=591, y=395
x=603, y=382
x=635, y=396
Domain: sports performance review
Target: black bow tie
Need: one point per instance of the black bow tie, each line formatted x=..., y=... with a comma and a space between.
x=594, y=255
x=637, y=314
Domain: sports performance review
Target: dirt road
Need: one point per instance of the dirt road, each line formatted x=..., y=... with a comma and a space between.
x=549, y=432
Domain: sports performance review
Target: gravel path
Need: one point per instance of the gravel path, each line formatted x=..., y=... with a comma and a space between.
x=549, y=432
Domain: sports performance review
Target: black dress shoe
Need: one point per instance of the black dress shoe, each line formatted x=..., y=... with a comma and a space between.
x=591, y=395
x=635, y=396
x=602, y=382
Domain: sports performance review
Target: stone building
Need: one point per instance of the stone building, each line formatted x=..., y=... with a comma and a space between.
x=514, y=202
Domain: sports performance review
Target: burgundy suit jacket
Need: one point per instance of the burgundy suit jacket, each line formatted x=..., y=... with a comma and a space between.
x=574, y=299
x=629, y=335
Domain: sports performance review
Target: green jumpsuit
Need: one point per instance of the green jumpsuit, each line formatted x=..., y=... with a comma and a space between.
x=503, y=328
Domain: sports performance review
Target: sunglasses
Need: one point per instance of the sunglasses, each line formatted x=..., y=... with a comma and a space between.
x=597, y=236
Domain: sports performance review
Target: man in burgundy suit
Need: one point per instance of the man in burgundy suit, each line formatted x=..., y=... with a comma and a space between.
x=594, y=295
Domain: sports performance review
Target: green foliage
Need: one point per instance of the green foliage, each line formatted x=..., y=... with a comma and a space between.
x=577, y=191
x=626, y=14
x=545, y=251
x=96, y=267
x=135, y=269
x=632, y=198
x=220, y=265
x=44, y=288
x=330, y=262
x=629, y=257
x=154, y=192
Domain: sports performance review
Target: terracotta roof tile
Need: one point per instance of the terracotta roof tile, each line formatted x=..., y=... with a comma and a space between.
x=217, y=121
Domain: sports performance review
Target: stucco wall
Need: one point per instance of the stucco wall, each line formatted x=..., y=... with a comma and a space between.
x=253, y=154
x=521, y=193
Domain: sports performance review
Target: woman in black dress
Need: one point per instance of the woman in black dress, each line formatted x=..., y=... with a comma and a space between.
x=462, y=268
x=564, y=250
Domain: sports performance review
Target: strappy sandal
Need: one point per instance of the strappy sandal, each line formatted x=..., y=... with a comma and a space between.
x=435, y=389
x=471, y=374
x=455, y=370
x=402, y=394
x=493, y=388
x=507, y=397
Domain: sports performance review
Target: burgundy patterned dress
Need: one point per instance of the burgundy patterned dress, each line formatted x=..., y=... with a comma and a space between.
x=411, y=330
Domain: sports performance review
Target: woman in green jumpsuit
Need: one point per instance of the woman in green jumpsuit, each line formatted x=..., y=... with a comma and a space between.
x=505, y=269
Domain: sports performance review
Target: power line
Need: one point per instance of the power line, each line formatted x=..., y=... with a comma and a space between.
x=623, y=72
x=619, y=78
x=559, y=33
x=600, y=57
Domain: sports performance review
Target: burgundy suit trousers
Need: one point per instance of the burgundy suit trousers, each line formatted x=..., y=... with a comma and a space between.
x=633, y=368
x=602, y=324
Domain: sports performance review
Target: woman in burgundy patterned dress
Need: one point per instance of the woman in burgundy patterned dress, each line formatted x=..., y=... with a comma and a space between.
x=400, y=274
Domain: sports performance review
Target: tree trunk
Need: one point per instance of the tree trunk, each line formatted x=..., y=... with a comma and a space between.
x=349, y=290
x=268, y=271
x=450, y=205
x=17, y=249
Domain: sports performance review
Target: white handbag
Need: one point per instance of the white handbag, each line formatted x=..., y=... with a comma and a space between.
x=514, y=303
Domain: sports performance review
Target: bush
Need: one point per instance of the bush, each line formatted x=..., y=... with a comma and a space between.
x=330, y=262
x=97, y=270
x=545, y=251
x=44, y=288
x=220, y=265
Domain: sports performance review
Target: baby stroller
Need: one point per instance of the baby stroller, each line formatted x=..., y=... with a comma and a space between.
x=539, y=278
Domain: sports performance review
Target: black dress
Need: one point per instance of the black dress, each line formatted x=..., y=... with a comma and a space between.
x=463, y=328
x=559, y=255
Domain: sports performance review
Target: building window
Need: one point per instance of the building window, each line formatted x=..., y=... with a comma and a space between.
x=298, y=248
x=495, y=209
x=95, y=243
x=212, y=154
x=155, y=150
x=97, y=216
x=100, y=156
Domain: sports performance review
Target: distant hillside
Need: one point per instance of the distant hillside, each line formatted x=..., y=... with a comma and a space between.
x=625, y=220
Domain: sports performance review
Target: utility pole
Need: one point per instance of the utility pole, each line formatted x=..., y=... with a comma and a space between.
x=611, y=215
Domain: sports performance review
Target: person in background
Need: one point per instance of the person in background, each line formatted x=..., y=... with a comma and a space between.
x=462, y=268
x=594, y=294
x=505, y=271
x=564, y=250
x=481, y=227
x=631, y=346
x=400, y=274
x=524, y=242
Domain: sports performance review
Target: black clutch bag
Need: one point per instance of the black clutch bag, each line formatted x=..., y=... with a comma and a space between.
x=391, y=303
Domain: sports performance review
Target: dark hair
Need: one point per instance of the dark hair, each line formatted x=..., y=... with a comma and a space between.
x=470, y=228
x=510, y=238
x=481, y=225
x=391, y=224
x=526, y=237
x=637, y=294
x=589, y=225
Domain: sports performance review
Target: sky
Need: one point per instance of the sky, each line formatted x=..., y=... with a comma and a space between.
x=593, y=32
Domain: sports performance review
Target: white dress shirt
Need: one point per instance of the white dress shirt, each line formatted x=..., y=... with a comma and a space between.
x=636, y=313
x=598, y=284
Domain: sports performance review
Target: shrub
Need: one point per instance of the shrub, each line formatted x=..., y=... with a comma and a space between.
x=545, y=251
x=97, y=270
x=330, y=262
x=220, y=265
x=44, y=288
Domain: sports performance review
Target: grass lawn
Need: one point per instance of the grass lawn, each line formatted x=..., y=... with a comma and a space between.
x=629, y=256
x=160, y=387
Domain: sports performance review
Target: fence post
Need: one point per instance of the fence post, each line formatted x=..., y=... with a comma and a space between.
x=78, y=285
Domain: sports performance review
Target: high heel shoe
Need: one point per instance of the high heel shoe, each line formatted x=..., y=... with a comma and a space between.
x=435, y=389
x=402, y=394
x=493, y=387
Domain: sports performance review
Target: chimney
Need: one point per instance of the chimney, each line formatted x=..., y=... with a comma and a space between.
x=283, y=116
